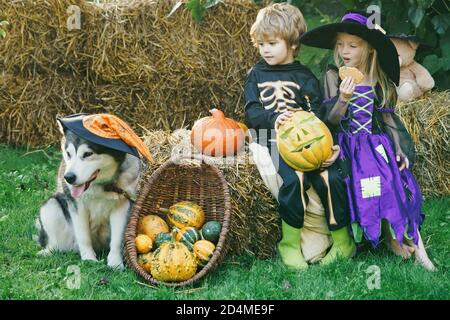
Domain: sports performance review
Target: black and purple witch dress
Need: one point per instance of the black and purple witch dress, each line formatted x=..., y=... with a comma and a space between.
x=376, y=188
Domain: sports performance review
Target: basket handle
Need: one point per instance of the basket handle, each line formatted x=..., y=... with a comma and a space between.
x=195, y=156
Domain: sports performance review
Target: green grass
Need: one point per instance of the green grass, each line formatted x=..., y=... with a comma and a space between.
x=26, y=180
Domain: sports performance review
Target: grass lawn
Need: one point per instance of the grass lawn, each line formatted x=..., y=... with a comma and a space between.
x=27, y=178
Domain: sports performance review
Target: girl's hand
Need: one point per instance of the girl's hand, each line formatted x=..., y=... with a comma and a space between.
x=346, y=88
x=402, y=160
x=336, y=150
x=282, y=118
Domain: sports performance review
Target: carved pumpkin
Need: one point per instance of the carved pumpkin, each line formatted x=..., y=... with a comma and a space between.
x=217, y=135
x=304, y=142
x=173, y=261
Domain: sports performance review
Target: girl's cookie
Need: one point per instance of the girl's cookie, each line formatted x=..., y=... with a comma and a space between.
x=351, y=72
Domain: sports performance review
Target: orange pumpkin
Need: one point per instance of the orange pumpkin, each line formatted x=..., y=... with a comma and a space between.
x=152, y=225
x=217, y=135
x=304, y=142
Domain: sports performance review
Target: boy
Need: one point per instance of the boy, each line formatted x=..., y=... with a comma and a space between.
x=276, y=87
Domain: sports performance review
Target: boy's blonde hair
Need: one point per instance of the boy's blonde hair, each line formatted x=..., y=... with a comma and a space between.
x=370, y=66
x=279, y=20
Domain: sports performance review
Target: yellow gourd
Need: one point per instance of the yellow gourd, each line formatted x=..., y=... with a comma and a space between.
x=203, y=250
x=173, y=261
x=143, y=243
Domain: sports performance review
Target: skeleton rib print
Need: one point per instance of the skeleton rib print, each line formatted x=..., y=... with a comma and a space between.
x=279, y=93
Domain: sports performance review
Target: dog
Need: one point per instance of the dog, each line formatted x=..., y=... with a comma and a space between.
x=89, y=212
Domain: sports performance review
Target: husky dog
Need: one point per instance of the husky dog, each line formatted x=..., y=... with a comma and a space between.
x=90, y=209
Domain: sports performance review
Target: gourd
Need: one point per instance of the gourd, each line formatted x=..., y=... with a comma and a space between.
x=173, y=261
x=188, y=236
x=185, y=214
x=161, y=238
x=143, y=243
x=211, y=231
x=203, y=250
x=144, y=260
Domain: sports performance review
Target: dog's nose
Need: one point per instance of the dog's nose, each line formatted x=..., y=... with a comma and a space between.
x=70, y=177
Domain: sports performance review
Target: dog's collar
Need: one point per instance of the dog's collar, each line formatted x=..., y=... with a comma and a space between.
x=116, y=189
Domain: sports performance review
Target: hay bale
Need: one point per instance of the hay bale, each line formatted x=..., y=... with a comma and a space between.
x=131, y=59
x=428, y=121
x=28, y=111
x=255, y=225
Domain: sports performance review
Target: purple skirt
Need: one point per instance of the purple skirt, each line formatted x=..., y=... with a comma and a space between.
x=378, y=190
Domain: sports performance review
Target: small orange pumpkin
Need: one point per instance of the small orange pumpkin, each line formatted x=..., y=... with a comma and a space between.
x=217, y=135
x=143, y=243
x=152, y=225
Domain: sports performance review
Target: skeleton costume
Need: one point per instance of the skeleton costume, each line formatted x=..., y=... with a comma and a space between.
x=269, y=91
x=376, y=188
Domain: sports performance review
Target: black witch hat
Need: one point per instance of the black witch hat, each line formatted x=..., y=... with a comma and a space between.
x=358, y=23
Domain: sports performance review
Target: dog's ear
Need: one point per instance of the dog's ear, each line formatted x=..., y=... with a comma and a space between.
x=60, y=127
x=63, y=142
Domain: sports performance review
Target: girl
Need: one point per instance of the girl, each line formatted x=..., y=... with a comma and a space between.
x=382, y=192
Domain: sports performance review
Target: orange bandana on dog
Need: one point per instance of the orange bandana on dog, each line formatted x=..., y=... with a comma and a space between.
x=112, y=127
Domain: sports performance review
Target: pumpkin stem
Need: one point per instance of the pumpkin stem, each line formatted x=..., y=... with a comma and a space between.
x=216, y=113
x=164, y=210
x=173, y=234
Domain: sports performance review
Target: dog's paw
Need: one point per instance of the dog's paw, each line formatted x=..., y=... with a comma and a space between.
x=44, y=252
x=115, y=261
x=89, y=256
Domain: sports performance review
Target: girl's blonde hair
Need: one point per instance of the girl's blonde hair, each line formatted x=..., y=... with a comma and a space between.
x=370, y=66
x=280, y=20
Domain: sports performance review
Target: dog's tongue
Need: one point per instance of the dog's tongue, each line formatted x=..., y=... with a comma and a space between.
x=77, y=190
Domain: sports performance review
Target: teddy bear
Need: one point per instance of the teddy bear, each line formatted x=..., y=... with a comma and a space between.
x=415, y=80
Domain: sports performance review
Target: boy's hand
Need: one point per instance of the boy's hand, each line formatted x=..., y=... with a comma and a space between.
x=282, y=118
x=336, y=150
x=346, y=88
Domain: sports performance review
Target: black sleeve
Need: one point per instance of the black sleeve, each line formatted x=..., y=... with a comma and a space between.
x=311, y=89
x=331, y=82
x=331, y=94
x=256, y=116
x=326, y=108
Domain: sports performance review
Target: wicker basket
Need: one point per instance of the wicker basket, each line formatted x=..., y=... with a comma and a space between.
x=179, y=180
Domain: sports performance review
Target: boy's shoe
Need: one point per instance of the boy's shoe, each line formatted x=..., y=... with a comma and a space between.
x=289, y=247
x=343, y=247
